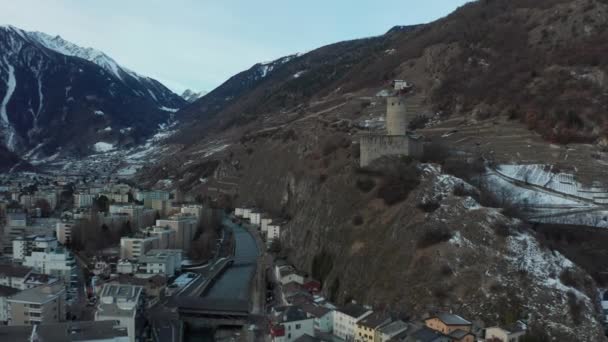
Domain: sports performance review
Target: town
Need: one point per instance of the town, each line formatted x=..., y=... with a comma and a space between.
x=108, y=261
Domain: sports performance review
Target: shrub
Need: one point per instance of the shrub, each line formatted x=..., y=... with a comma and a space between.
x=568, y=278
x=418, y=122
x=366, y=184
x=399, y=180
x=434, y=152
x=434, y=236
x=357, y=220
x=576, y=308
x=428, y=207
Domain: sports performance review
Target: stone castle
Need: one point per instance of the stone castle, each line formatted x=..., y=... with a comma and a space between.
x=397, y=140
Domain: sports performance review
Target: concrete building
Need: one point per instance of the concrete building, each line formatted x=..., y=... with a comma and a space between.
x=185, y=227
x=273, y=231
x=47, y=257
x=5, y=293
x=16, y=220
x=165, y=235
x=255, y=217
x=83, y=200
x=291, y=324
x=126, y=267
x=134, y=212
x=63, y=231
x=192, y=209
x=161, y=261
x=346, y=318
x=38, y=305
x=135, y=247
x=121, y=303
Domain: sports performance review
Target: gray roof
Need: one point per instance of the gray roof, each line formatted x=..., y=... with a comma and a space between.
x=68, y=331
x=459, y=333
x=291, y=314
x=119, y=300
x=375, y=320
x=40, y=294
x=394, y=328
x=353, y=310
x=450, y=319
x=426, y=334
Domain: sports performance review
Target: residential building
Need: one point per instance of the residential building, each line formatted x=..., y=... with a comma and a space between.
x=287, y=274
x=391, y=330
x=255, y=217
x=290, y=324
x=63, y=231
x=161, y=261
x=451, y=324
x=367, y=328
x=38, y=305
x=135, y=247
x=125, y=267
x=345, y=320
x=83, y=200
x=47, y=257
x=163, y=207
x=134, y=212
x=323, y=317
x=192, y=209
x=185, y=227
x=273, y=231
x=13, y=275
x=426, y=334
x=16, y=220
x=73, y=331
x=121, y=303
x=512, y=333
x=5, y=293
x=264, y=222
x=166, y=236
x=239, y=212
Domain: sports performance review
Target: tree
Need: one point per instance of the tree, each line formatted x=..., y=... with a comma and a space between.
x=103, y=203
x=45, y=207
x=126, y=230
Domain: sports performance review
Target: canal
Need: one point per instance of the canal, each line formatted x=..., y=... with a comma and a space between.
x=234, y=283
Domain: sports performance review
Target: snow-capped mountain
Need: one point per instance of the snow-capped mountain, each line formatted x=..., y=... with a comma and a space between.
x=56, y=96
x=191, y=96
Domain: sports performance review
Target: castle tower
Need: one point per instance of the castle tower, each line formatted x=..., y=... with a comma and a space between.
x=396, y=115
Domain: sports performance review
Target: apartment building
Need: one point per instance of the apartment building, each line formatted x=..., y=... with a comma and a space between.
x=38, y=305
x=135, y=247
x=161, y=261
x=185, y=227
x=121, y=303
x=47, y=257
x=165, y=235
x=63, y=231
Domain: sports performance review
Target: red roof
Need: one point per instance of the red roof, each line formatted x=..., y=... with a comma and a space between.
x=277, y=331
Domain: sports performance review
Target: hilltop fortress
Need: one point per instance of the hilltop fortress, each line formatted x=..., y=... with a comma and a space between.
x=397, y=140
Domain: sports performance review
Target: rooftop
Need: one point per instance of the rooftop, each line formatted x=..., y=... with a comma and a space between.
x=68, y=331
x=119, y=300
x=375, y=320
x=40, y=294
x=292, y=314
x=353, y=310
x=6, y=291
x=450, y=319
x=394, y=327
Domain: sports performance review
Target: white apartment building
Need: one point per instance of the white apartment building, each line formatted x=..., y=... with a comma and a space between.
x=292, y=324
x=63, y=231
x=38, y=305
x=134, y=212
x=273, y=232
x=47, y=257
x=82, y=200
x=345, y=320
x=121, y=303
x=192, y=209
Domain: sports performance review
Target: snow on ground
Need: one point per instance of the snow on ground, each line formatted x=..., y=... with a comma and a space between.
x=103, y=147
x=99, y=112
x=211, y=150
x=11, y=84
x=547, y=176
x=299, y=73
x=545, y=266
x=167, y=109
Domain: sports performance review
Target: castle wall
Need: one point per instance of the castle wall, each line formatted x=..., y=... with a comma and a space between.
x=376, y=146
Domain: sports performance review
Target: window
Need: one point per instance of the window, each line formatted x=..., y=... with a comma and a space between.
x=298, y=326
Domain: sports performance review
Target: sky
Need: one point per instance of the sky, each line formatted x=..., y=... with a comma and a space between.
x=199, y=44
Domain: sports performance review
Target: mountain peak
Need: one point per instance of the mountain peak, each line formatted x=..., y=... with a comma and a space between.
x=191, y=95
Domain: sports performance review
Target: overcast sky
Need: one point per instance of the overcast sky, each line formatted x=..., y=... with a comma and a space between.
x=198, y=44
